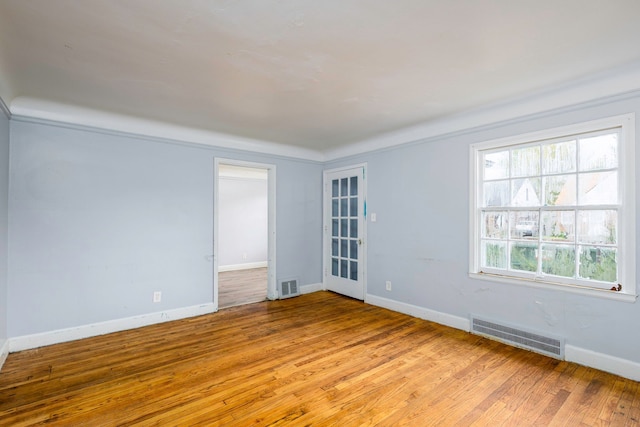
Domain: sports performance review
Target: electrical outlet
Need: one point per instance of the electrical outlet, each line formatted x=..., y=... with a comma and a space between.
x=244, y=255
x=388, y=285
x=157, y=296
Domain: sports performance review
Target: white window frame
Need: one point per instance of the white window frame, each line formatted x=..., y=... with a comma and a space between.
x=626, y=213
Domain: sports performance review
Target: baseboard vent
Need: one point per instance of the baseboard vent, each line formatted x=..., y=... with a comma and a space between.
x=547, y=345
x=289, y=288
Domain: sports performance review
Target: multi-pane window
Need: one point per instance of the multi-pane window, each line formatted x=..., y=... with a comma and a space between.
x=555, y=209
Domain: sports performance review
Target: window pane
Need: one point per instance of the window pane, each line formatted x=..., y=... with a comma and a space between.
x=524, y=225
x=334, y=227
x=344, y=205
x=354, y=228
x=344, y=267
x=494, y=254
x=559, y=260
x=353, y=252
x=344, y=227
x=334, y=247
x=525, y=192
x=354, y=185
x=496, y=193
x=344, y=187
x=560, y=190
x=354, y=270
x=598, y=264
x=598, y=227
x=334, y=207
x=495, y=225
x=559, y=158
x=558, y=226
x=599, y=152
x=344, y=247
x=354, y=206
x=524, y=256
x=334, y=266
x=496, y=165
x=334, y=188
x=599, y=188
x=525, y=161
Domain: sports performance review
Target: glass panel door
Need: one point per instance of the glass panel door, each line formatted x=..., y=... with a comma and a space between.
x=345, y=209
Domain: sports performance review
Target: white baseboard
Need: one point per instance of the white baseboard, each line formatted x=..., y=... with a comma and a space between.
x=604, y=362
x=420, y=312
x=245, y=266
x=314, y=287
x=4, y=352
x=27, y=342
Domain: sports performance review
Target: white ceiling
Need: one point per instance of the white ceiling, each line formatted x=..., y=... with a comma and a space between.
x=315, y=74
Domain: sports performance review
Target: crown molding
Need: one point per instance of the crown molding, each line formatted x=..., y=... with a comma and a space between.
x=599, y=87
x=34, y=109
x=616, y=82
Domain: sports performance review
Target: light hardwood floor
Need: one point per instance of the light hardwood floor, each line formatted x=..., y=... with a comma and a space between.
x=242, y=287
x=318, y=359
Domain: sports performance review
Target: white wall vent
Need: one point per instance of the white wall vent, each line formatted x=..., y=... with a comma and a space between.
x=518, y=337
x=289, y=288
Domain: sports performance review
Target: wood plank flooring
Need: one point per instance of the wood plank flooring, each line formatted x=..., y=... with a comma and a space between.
x=242, y=287
x=319, y=359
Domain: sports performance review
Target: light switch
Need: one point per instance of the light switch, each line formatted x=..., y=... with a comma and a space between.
x=374, y=217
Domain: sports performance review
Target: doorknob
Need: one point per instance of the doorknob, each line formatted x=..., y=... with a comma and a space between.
x=359, y=242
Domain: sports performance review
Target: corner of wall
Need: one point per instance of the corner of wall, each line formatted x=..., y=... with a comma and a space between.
x=4, y=109
x=4, y=352
x=4, y=341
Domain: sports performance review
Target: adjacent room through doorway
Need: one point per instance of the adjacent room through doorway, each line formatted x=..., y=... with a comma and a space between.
x=242, y=235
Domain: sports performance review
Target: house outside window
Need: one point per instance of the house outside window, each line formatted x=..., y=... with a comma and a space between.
x=557, y=208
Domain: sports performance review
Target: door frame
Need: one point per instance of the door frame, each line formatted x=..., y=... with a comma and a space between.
x=272, y=291
x=326, y=218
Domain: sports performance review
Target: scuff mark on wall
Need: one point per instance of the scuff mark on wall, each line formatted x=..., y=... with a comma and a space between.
x=461, y=290
x=298, y=20
x=585, y=316
x=549, y=316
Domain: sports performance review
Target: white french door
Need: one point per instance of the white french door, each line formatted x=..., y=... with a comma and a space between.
x=344, y=231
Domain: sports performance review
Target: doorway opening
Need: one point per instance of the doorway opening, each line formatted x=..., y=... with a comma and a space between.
x=244, y=233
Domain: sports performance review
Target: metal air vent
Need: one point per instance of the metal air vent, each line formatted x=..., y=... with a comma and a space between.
x=289, y=288
x=547, y=345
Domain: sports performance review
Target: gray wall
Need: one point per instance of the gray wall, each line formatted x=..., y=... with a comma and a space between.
x=4, y=200
x=420, y=241
x=99, y=221
x=243, y=221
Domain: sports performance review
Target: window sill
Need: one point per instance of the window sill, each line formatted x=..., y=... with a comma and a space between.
x=599, y=293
